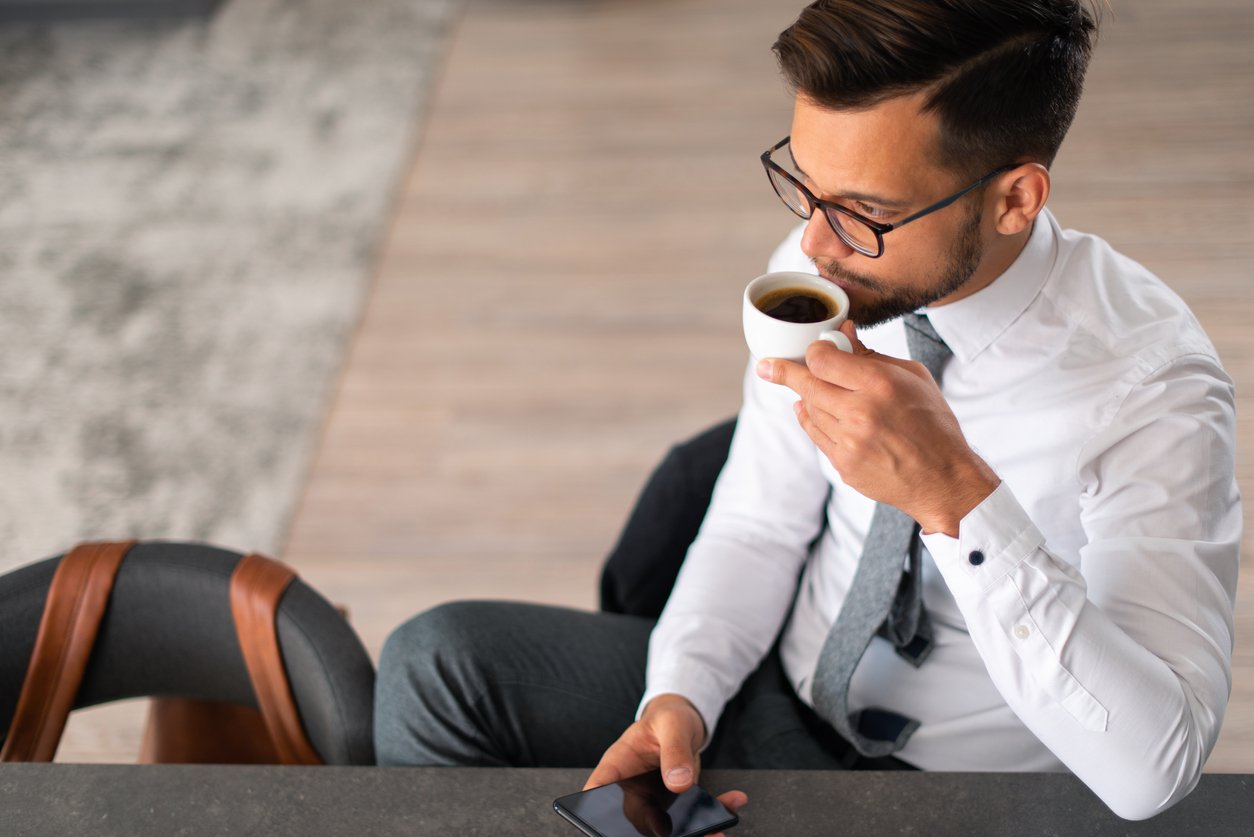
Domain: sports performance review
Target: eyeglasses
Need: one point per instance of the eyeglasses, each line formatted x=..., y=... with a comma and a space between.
x=858, y=231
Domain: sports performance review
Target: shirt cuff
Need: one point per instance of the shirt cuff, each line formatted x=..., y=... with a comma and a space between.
x=994, y=538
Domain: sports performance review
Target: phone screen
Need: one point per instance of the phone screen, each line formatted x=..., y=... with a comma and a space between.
x=641, y=805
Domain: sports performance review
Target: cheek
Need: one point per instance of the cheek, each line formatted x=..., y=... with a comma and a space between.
x=917, y=258
x=910, y=271
x=898, y=269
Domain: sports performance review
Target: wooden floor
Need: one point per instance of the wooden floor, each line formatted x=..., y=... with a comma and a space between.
x=558, y=297
x=557, y=303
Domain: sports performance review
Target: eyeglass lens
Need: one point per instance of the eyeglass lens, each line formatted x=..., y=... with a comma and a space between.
x=852, y=231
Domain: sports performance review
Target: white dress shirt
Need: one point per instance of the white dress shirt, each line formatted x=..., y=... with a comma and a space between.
x=1083, y=617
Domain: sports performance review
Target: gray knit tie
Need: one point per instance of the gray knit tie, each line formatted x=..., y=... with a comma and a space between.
x=883, y=598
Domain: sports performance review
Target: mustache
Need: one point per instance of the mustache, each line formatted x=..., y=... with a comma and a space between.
x=830, y=270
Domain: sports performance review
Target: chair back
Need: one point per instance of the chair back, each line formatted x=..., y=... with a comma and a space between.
x=185, y=621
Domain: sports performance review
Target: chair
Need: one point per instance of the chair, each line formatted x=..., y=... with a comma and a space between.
x=169, y=631
x=640, y=571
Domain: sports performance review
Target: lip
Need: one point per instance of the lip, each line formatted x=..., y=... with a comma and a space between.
x=844, y=286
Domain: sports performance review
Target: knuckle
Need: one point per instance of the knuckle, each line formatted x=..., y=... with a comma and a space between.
x=857, y=426
x=794, y=376
x=882, y=385
x=822, y=358
x=811, y=388
x=918, y=369
x=816, y=355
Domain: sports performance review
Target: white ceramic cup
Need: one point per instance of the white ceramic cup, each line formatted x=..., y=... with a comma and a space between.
x=769, y=337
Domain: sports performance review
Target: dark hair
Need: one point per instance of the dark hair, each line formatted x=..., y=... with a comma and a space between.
x=1003, y=76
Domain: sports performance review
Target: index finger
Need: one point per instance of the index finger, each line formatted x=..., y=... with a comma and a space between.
x=734, y=800
x=619, y=762
x=797, y=377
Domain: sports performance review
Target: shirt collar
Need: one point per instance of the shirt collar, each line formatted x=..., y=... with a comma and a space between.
x=970, y=325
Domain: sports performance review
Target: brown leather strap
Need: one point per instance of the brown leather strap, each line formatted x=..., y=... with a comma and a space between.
x=256, y=587
x=76, y=603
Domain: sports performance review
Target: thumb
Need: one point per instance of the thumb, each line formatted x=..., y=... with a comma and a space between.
x=679, y=763
x=848, y=329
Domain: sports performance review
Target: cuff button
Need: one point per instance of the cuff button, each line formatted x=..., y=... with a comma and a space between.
x=976, y=558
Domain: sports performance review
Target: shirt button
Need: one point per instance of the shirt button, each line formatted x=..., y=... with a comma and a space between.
x=1022, y=631
x=976, y=557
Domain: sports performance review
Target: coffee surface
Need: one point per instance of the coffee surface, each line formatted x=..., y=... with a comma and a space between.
x=797, y=305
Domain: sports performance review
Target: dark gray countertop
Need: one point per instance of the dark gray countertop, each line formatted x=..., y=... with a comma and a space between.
x=62, y=799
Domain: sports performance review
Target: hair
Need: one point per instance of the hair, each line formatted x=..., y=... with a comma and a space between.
x=1004, y=77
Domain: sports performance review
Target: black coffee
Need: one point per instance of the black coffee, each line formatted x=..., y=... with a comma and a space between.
x=797, y=305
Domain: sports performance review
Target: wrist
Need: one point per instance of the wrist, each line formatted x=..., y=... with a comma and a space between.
x=962, y=495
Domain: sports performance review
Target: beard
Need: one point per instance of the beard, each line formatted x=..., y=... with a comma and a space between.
x=890, y=300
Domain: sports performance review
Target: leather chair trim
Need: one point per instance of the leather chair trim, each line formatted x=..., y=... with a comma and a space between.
x=257, y=584
x=77, y=599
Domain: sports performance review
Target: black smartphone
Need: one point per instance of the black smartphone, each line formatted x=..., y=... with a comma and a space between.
x=642, y=805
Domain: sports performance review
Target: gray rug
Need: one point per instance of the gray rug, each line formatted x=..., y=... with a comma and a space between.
x=189, y=211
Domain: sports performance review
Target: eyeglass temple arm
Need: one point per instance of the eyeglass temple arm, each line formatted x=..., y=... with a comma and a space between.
x=947, y=201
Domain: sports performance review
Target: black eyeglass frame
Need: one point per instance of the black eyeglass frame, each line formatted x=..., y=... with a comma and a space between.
x=876, y=227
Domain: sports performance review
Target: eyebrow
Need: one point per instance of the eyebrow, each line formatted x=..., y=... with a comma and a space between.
x=864, y=197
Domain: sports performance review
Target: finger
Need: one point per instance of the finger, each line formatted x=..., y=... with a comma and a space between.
x=806, y=419
x=619, y=762
x=821, y=427
x=793, y=375
x=776, y=370
x=850, y=330
x=861, y=349
x=826, y=362
x=678, y=763
x=735, y=800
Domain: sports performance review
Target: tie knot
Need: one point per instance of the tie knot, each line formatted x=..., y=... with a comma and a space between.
x=925, y=345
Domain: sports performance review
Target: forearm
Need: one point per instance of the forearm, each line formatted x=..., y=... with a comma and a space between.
x=727, y=608
x=1123, y=672
x=740, y=575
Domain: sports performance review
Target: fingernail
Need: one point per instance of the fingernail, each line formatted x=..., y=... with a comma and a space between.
x=679, y=775
x=765, y=369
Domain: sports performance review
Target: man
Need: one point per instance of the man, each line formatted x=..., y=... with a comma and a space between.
x=1063, y=594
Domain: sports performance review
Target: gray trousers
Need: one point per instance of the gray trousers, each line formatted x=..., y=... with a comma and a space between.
x=519, y=685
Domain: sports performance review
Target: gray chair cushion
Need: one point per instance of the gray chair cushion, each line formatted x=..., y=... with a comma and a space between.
x=168, y=631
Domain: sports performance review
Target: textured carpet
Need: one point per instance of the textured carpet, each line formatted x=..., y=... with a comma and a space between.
x=189, y=211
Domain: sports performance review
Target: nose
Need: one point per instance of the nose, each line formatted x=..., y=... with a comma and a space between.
x=820, y=241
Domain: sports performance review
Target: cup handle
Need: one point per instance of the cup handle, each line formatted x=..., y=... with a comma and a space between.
x=839, y=339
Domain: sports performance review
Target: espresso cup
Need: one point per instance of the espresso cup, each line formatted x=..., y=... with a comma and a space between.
x=803, y=307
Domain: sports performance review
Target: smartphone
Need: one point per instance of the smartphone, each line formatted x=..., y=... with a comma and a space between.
x=641, y=805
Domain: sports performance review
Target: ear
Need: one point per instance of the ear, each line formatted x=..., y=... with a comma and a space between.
x=1022, y=195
